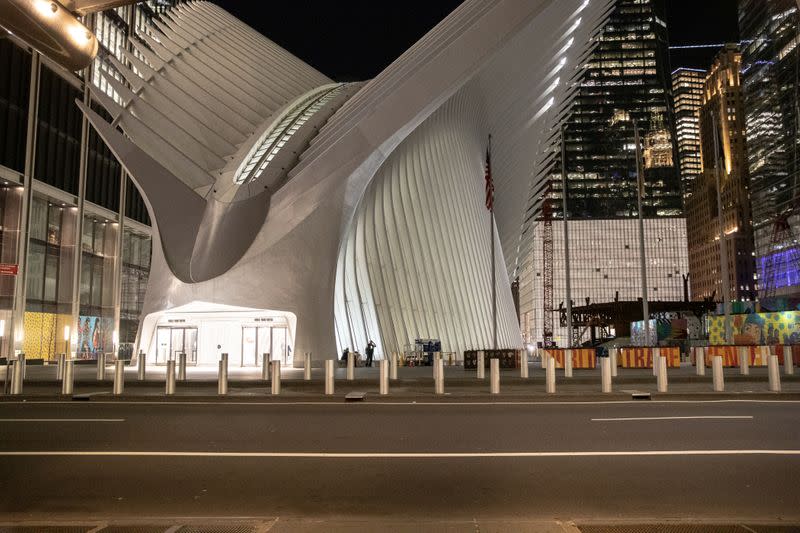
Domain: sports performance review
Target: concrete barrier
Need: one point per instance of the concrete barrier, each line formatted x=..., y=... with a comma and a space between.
x=788, y=360
x=568, y=363
x=605, y=374
x=182, y=366
x=494, y=368
x=265, y=366
x=68, y=380
x=329, y=373
x=119, y=377
x=550, y=375
x=700, y=360
x=774, y=374
x=222, y=375
x=275, y=382
x=142, y=371
x=383, y=369
x=716, y=371
x=101, y=366
x=662, y=374
x=523, y=364
x=351, y=366
x=744, y=360
x=60, y=368
x=170, y=378
x=393, y=367
x=613, y=355
x=18, y=375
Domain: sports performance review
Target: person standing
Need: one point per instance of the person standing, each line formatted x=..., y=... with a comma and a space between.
x=370, y=351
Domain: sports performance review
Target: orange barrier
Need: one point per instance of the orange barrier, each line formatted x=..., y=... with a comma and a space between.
x=581, y=357
x=758, y=357
x=642, y=357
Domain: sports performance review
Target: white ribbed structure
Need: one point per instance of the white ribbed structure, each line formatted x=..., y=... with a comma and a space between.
x=356, y=210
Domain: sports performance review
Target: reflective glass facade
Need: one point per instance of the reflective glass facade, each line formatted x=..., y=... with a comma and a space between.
x=770, y=79
x=687, y=96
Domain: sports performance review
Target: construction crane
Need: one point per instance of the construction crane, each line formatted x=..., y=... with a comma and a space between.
x=547, y=268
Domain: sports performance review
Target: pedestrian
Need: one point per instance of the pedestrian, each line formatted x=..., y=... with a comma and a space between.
x=344, y=355
x=370, y=351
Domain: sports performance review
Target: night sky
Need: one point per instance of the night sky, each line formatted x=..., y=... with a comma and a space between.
x=355, y=39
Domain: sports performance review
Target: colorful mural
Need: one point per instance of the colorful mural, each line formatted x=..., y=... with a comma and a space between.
x=94, y=336
x=757, y=328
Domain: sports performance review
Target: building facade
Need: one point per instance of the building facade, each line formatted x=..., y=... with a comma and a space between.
x=74, y=228
x=626, y=81
x=770, y=80
x=687, y=97
x=726, y=164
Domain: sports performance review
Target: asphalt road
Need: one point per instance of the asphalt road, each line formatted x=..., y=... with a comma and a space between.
x=727, y=461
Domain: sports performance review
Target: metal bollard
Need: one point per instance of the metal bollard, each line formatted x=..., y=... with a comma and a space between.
x=440, y=378
x=788, y=362
x=568, y=363
x=614, y=355
x=716, y=371
x=550, y=374
x=543, y=359
x=276, y=378
x=265, y=366
x=222, y=375
x=142, y=366
x=17, y=374
x=182, y=366
x=101, y=366
x=744, y=360
x=351, y=366
x=523, y=364
x=170, y=375
x=436, y=357
x=393, y=368
x=656, y=353
x=383, y=370
x=662, y=374
x=68, y=379
x=774, y=374
x=119, y=377
x=60, y=368
x=329, y=366
x=700, y=360
x=481, y=362
x=605, y=374
x=494, y=368
x=307, y=366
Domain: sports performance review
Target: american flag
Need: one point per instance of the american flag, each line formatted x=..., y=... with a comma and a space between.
x=488, y=176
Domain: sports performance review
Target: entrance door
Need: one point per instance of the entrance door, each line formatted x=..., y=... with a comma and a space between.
x=255, y=341
x=172, y=341
x=279, y=351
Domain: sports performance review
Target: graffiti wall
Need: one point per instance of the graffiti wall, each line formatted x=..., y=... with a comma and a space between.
x=757, y=328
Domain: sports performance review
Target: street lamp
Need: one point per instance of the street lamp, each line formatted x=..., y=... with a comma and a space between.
x=66, y=341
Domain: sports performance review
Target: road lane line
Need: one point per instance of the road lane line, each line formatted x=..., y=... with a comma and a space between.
x=394, y=455
x=639, y=418
x=62, y=420
x=393, y=404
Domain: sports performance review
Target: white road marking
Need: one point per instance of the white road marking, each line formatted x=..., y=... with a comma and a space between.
x=394, y=455
x=62, y=420
x=381, y=403
x=638, y=418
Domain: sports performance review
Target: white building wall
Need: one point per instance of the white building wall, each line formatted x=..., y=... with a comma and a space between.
x=604, y=260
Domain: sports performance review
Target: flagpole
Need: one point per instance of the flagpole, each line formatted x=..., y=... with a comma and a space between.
x=494, y=278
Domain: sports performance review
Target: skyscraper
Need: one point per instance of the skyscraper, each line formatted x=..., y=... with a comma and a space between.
x=687, y=97
x=626, y=80
x=726, y=164
x=770, y=79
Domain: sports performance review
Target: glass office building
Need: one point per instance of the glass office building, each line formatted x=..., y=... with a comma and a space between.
x=79, y=237
x=770, y=34
x=626, y=80
x=687, y=97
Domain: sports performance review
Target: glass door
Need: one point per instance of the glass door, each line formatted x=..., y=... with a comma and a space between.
x=173, y=341
x=249, y=346
x=163, y=342
x=278, y=351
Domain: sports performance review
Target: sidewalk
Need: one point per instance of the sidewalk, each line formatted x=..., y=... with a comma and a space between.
x=414, y=383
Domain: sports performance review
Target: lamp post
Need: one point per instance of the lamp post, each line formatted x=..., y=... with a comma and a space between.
x=66, y=341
